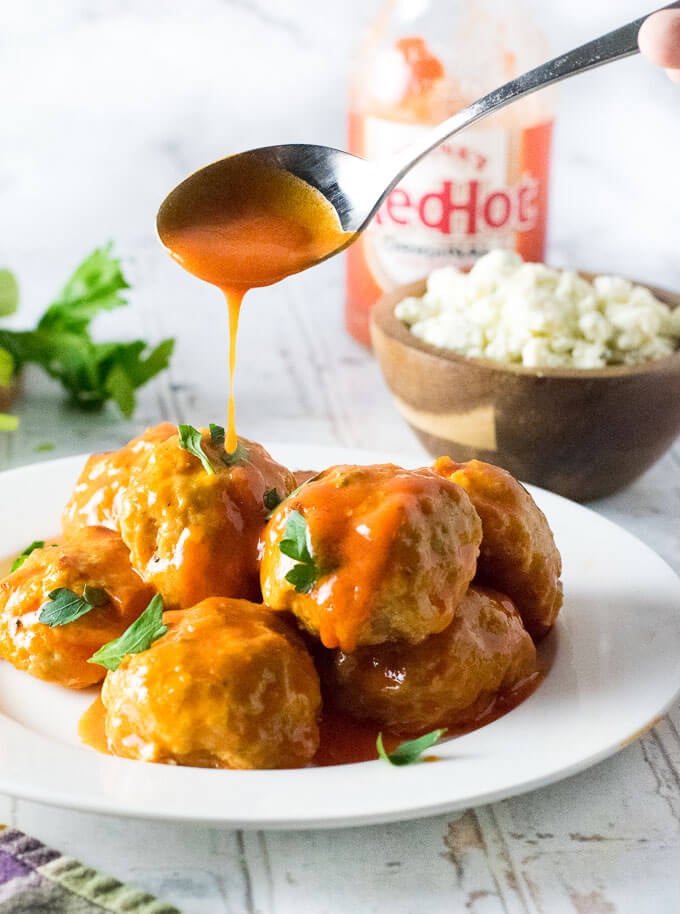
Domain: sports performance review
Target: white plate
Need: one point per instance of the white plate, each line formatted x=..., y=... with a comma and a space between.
x=616, y=669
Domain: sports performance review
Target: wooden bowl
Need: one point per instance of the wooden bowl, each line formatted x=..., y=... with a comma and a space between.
x=581, y=433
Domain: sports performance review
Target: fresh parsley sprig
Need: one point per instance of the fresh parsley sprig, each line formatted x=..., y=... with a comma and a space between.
x=272, y=500
x=229, y=458
x=410, y=751
x=216, y=434
x=66, y=606
x=21, y=558
x=295, y=545
x=191, y=440
x=136, y=638
x=239, y=455
x=61, y=344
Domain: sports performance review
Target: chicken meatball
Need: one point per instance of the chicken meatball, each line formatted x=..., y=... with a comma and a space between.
x=448, y=680
x=192, y=527
x=379, y=553
x=518, y=554
x=229, y=685
x=97, y=559
x=94, y=498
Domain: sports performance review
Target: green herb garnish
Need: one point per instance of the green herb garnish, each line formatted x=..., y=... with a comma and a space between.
x=216, y=434
x=294, y=544
x=190, y=440
x=410, y=751
x=135, y=639
x=236, y=456
x=65, y=606
x=62, y=346
x=272, y=499
x=21, y=558
x=97, y=596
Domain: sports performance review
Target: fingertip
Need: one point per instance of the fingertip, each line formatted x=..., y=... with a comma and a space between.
x=659, y=39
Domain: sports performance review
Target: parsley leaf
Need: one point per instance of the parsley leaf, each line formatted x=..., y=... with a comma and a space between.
x=96, y=596
x=96, y=285
x=136, y=638
x=236, y=456
x=21, y=558
x=303, y=577
x=62, y=346
x=65, y=606
x=216, y=434
x=230, y=459
x=410, y=751
x=294, y=544
x=190, y=440
x=272, y=499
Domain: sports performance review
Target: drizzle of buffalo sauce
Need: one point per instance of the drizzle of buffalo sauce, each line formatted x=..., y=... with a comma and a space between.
x=242, y=223
x=355, y=514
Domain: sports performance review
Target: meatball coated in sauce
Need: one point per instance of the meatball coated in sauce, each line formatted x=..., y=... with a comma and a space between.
x=395, y=550
x=448, y=680
x=97, y=558
x=95, y=497
x=230, y=685
x=518, y=554
x=193, y=534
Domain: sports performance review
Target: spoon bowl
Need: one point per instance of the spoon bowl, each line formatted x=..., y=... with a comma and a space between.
x=254, y=218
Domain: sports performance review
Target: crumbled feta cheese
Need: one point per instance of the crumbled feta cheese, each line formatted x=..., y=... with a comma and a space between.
x=529, y=314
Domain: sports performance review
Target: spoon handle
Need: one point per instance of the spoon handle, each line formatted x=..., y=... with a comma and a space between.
x=622, y=42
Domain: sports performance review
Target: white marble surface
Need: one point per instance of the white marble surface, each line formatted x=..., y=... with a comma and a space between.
x=105, y=106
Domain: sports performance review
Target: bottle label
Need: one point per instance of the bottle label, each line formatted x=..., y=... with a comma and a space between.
x=484, y=189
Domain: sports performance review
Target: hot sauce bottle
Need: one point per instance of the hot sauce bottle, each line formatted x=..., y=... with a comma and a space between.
x=421, y=62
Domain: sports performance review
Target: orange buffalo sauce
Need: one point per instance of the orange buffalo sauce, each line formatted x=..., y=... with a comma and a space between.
x=343, y=740
x=243, y=223
x=91, y=726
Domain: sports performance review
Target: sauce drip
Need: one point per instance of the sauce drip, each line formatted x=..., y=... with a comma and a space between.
x=243, y=223
x=234, y=300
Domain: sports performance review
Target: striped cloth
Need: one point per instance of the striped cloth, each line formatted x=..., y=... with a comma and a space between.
x=35, y=879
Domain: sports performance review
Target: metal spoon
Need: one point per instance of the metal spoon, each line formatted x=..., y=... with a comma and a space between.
x=355, y=187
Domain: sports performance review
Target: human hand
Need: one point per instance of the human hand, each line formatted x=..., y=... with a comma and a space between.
x=659, y=40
